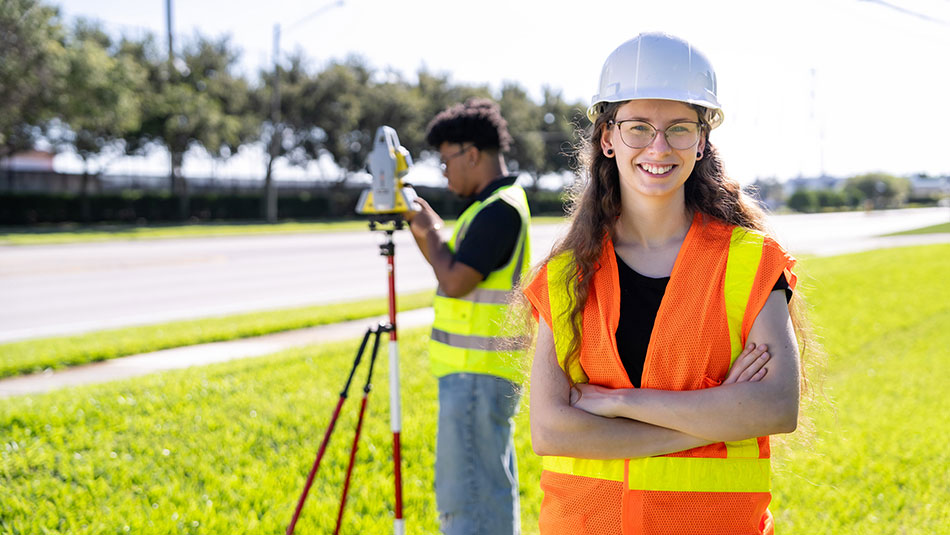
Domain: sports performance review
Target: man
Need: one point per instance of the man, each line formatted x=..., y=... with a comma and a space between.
x=478, y=364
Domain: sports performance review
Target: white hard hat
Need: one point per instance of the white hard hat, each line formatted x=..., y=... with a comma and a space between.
x=658, y=66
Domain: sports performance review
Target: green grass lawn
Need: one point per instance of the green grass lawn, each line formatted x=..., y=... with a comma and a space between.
x=74, y=233
x=226, y=448
x=879, y=464
x=29, y=356
x=942, y=228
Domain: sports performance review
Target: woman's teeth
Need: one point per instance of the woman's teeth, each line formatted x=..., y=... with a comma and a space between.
x=656, y=169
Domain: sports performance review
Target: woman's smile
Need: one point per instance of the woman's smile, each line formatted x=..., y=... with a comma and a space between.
x=657, y=170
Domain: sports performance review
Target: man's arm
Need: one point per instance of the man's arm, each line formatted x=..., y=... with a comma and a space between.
x=455, y=278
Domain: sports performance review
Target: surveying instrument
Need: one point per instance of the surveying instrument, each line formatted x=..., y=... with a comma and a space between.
x=384, y=204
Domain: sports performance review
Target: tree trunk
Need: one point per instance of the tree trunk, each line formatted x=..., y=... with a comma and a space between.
x=84, y=209
x=269, y=201
x=179, y=187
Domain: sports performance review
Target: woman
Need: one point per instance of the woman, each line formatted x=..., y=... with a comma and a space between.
x=666, y=304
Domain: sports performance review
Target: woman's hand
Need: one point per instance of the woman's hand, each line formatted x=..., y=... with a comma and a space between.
x=609, y=402
x=749, y=365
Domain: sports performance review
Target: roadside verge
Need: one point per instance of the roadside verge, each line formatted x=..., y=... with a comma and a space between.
x=201, y=354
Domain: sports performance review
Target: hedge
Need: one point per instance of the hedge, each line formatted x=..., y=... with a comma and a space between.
x=141, y=208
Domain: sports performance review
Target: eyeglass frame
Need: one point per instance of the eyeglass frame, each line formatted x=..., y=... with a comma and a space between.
x=443, y=163
x=699, y=125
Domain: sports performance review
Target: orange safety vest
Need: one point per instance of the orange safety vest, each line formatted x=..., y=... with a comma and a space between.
x=719, y=283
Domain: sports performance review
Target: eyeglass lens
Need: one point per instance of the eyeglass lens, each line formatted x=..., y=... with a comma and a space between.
x=639, y=134
x=443, y=162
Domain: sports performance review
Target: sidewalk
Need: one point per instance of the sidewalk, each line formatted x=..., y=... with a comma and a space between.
x=199, y=355
x=202, y=354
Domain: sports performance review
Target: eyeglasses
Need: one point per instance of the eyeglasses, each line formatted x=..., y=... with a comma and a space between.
x=638, y=134
x=443, y=162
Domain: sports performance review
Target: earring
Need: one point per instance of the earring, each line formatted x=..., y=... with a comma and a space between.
x=610, y=152
x=699, y=155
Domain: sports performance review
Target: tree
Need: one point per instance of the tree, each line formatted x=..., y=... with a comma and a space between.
x=803, y=200
x=395, y=103
x=102, y=104
x=283, y=128
x=880, y=190
x=561, y=123
x=196, y=102
x=335, y=103
x=525, y=120
x=210, y=71
x=437, y=93
x=769, y=191
x=829, y=199
x=32, y=63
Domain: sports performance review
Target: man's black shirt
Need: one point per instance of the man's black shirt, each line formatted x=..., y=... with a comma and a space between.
x=493, y=233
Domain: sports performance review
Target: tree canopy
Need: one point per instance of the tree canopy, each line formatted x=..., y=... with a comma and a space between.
x=33, y=66
x=87, y=90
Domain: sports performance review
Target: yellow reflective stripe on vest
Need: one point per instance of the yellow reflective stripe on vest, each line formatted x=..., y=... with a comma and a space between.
x=745, y=253
x=481, y=343
x=448, y=359
x=610, y=470
x=482, y=295
x=687, y=474
x=699, y=474
x=560, y=271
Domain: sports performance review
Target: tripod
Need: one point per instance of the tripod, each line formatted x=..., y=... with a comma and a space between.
x=387, y=249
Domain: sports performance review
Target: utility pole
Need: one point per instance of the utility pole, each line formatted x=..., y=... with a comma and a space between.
x=178, y=186
x=819, y=123
x=168, y=24
x=270, y=193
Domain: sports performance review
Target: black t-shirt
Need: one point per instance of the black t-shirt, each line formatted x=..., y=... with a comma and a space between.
x=493, y=233
x=640, y=298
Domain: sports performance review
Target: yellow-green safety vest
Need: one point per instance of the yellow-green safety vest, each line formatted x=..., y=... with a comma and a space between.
x=469, y=334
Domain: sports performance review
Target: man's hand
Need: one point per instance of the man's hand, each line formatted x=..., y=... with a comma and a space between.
x=423, y=220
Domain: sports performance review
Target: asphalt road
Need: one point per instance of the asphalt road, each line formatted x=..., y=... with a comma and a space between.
x=65, y=289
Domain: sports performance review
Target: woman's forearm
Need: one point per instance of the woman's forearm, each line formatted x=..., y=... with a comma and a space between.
x=557, y=428
x=725, y=413
x=570, y=432
x=728, y=412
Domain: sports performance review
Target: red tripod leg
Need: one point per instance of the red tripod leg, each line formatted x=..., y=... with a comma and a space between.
x=326, y=437
x=359, y=426
x=349, y=469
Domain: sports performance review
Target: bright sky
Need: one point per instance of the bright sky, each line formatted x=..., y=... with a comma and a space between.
x=840, y=86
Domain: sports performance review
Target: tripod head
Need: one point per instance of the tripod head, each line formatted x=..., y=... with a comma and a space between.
x=388, y=198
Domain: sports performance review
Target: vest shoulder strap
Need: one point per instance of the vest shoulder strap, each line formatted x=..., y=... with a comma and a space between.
x=745, y=254
x=562, y=283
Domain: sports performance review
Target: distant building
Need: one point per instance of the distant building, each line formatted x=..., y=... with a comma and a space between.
x=929, y=186
x=32, y=172
x=31, y=160
x=814, y=184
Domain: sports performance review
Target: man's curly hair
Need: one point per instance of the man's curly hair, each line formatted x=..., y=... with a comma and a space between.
x=477, y=121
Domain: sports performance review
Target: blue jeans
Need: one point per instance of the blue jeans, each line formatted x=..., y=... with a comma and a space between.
x=476, y=476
